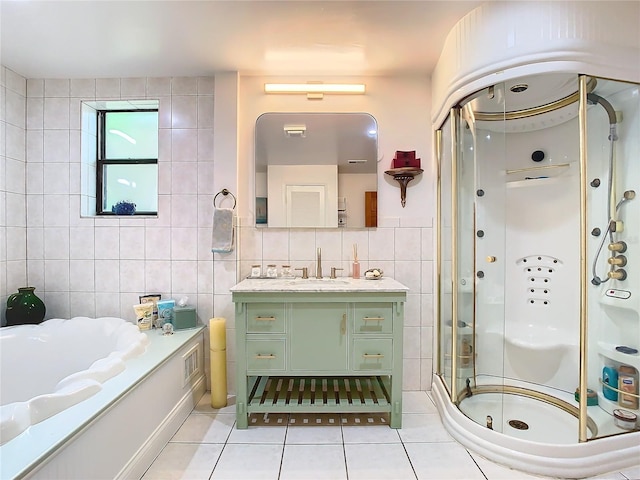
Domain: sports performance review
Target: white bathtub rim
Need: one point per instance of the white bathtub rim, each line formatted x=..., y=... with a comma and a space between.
x=17, y=417
x=569, y=461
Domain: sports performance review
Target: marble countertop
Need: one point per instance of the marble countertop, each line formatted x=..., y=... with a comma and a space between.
x=341, y=284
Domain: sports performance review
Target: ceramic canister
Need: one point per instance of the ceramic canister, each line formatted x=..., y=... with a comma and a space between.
x=24, y=307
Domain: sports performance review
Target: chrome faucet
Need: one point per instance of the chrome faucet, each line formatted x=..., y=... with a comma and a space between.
x=319, y=263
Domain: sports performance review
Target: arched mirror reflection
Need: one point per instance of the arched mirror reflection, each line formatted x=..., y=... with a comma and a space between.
x=316, y=170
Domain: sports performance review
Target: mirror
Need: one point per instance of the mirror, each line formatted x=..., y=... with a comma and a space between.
x=316, y=170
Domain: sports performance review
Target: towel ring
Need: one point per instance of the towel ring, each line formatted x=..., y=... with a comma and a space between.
x=224, y=192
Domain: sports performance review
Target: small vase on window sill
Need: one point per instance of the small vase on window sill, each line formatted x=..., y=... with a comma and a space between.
x=124, y=208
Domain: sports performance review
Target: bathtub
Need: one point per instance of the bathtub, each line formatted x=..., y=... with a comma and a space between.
x=118, y=410
x=46, y=368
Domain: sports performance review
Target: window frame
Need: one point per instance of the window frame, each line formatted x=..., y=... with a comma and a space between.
x=102, y=161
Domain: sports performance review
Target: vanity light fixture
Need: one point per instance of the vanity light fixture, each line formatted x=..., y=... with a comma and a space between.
x=315, y=91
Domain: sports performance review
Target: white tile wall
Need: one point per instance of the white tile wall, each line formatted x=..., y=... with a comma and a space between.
x=13, y=202
x=99, y=266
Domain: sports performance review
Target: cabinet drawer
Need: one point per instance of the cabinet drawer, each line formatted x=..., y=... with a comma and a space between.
x=373, y=318
x=265, y=318
x=265, y=355
x=372, y=354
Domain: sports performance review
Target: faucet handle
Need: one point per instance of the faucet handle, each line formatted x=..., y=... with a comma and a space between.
x=305, y=272
x=333, y=271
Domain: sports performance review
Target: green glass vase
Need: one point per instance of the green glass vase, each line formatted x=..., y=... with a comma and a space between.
x=24, y=307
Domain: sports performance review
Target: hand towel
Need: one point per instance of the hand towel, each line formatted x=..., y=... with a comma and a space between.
x=222, y=237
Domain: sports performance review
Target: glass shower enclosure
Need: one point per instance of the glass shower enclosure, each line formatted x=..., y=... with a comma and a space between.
x=539, y=257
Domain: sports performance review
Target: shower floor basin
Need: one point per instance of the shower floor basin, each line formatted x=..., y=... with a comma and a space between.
x=511, y=413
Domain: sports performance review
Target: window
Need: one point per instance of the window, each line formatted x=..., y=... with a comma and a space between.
x=127, y=160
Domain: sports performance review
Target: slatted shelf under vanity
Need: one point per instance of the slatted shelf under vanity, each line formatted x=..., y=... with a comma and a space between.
x=313, y=394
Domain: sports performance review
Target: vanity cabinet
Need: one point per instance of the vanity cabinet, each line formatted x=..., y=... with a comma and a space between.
x=319, y=351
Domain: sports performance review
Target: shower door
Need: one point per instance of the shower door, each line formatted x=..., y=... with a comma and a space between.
x=472, y=239
x=525, y=198
x=472, y=186
x=483, y=190
x=465, y=274
x=444, y=145
x=456, y=256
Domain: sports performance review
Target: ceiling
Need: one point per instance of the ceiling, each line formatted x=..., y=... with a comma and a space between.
x=119, y=38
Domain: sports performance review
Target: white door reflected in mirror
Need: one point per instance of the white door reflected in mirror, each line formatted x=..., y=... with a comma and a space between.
x=305, y=205
x=302, y=196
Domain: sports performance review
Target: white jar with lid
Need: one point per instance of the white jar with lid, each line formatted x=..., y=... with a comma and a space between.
x=625, y=419
x=272, y=271
x=286, y=271
x=255, y=271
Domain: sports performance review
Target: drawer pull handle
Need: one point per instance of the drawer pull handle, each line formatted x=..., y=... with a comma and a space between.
x=372, y=319
x=265, y=319
x=261, y=356
x=343, y=324
x=372, y=355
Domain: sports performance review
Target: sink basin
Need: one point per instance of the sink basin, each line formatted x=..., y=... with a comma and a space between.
x=318, y=281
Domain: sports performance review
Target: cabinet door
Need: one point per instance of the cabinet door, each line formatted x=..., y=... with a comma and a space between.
x=318, y=333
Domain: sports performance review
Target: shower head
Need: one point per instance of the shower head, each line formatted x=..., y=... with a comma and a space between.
x=593, y=99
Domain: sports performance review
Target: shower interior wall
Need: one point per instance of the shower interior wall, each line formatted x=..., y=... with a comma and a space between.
x=614, y=321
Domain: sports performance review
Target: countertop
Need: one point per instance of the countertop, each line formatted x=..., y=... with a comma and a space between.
x=338, y=285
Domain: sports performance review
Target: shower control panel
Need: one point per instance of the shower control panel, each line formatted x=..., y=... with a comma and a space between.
x=623, y=294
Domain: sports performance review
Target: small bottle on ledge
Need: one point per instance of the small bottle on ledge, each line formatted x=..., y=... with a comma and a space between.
x=355, y=270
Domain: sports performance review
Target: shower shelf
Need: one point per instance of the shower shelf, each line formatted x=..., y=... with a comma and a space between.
x=535, y=176
x=608, y=350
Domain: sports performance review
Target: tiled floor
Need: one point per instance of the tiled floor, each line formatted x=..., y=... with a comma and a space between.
x=333, y=447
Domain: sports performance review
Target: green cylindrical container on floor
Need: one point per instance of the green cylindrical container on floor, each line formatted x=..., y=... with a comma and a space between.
x=25, y=307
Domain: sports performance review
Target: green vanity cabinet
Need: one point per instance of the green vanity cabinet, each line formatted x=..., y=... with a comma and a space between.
x=319, y=347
